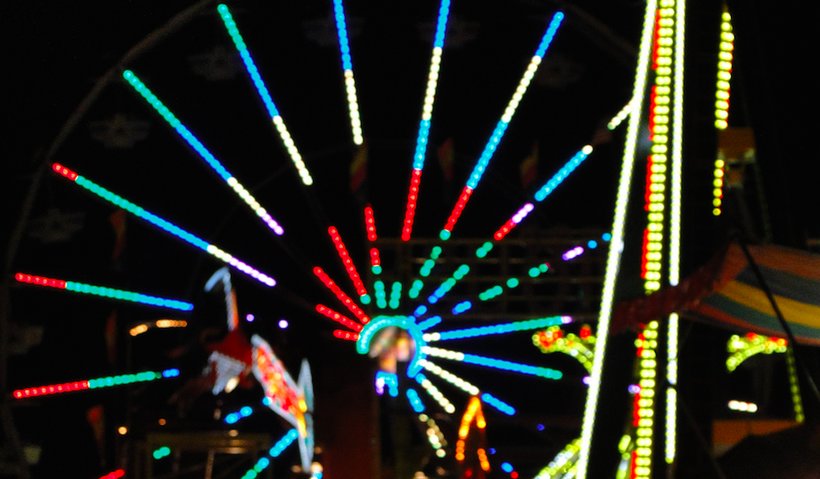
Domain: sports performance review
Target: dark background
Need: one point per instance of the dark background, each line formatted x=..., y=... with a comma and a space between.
x=55, y=53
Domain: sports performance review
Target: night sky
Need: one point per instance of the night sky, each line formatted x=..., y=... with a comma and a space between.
x=55, y=53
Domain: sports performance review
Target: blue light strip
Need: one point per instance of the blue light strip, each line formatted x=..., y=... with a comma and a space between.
x=429, y=322
x=498, y=404
x=264, y=94
x=283, y=443
x=501, y=126
x=234, y=417
x=203, y=152
x=562, y=173
x=415, y=400
x=462, y=307
x=498, y=328
x=546, y=373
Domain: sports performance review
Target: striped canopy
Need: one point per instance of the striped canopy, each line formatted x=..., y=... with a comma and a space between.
x=726, y=292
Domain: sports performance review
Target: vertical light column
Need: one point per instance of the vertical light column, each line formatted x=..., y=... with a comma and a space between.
x=660, y=110
x=722, y=96
x=614, y=255
x=676, y=193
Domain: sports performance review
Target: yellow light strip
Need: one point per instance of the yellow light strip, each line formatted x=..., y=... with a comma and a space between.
x=614, y=255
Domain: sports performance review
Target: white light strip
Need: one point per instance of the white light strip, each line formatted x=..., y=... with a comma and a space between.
x=614, y=254
x=676, y=193
x=451, y=378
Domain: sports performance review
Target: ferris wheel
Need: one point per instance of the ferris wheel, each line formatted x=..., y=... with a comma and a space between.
x=264, y=153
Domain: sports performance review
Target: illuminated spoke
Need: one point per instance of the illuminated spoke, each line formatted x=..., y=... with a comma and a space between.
x=203, y=152
x=426, y=119
x=103, y=291
x=264, y=94
x=347, y=67
x=97, y=383
x=504, y=365
x=501, y=127
x=505, y=328
x=435, y=393
x=350, y=267
x=163, y=224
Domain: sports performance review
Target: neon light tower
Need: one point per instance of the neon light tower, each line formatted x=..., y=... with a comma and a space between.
x=660, y=73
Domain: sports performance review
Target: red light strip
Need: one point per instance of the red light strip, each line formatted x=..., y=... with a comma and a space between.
x=375, y=259
x=350, y=267
x=40, y=280
x=458, y=208
x=370, y=227
x=338, y=317
x=116, y=474
x=370, y=223
x=504, y=230
x=50, y=390
x=344, y=298
x=346, y=335
x=64, y=171
x=412, y=200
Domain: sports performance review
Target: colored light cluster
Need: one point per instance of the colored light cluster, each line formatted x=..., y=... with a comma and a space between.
x=97, y=383
x=563, y=463
x=103, y=291
x=159, y=323
x=505, y=328
x=347, y=67
x=283, y=395
x=203, y=152
x=426, y=119
x=434, y=435
x=163, y=224
x=741, y=348
x=554, y=340
x=724, y=70
x=473, y=414
x=501, y=127
x=389, y=380
x=264, y=94
x=350, y=267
